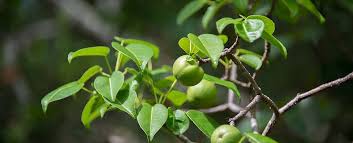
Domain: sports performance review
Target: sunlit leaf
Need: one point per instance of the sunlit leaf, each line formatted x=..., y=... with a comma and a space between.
x=189, y=9
x=152, y=118
x=91, y=51
x=108, y=87
x=228, y=84
x=185, y=44
x=177, y=98
x=154, y=47
x=90, y=73
x=269, y=24
x=250, y=29
x=210, y=13
x=177, y=121
x=202, y=121
x=224, y=38
x=224, y=22
x=125, y=100
x=214, y=47
x=241, y=51
x=61, y=93
x=139, y=53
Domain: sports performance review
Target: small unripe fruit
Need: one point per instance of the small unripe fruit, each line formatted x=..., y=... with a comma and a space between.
x=202, y=94
x=226, y=134
x=187, y=71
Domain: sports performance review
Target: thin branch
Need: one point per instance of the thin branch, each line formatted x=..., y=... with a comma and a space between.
x=185, y=139
x=246, y=109
x=256, y=88
x=305, y=95
x=240, y=83
x=215, y=109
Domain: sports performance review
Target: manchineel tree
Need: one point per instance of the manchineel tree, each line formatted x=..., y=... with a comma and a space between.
x=120, y=88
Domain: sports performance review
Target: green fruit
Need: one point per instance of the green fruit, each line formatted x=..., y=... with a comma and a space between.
x=187, y=71
x=202, y=94
x=226, y=134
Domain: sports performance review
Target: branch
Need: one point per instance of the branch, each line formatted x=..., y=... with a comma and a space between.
x=305, y=95
x=256, y=88
x=246, y=109
x=185, y=139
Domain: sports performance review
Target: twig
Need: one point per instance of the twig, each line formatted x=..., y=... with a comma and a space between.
x=305, y=95
x=185, y=139
x=256, y=88
x=246, y=109
x=243, y=84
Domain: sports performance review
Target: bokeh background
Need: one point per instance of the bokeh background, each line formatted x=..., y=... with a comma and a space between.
x=37, y=35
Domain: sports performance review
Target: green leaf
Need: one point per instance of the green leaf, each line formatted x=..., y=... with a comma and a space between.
x=250, y=29
x=108, y=87
x=61, y=93
x=90, y=73
x=275, y=42
x=214, y=47
x=166, y=82
x=257, y=138
x=251, y=60
x=196, y=41
x=91, y=51
x=162, y=70
x=177, y=121
x=224, y=83
x=244, y=51
x=292, y=6
x=224, y=22
x=269, y=25
x=241, y=5
x=189, y=9
x=93, y=108
x=311, y=7
x=224, y=38
x=204, y=123
x=189, y=48
x=125, y=100
x=139, y=53
x=153, y=47
x=177, y=98
x=152, y=118
x=210, y=13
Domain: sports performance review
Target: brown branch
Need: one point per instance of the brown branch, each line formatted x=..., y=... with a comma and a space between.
x=246, y=110
x=305, y=95
x=255, y=86
x=185, y=139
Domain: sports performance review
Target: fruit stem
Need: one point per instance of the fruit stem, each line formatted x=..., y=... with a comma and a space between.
x=170, y=89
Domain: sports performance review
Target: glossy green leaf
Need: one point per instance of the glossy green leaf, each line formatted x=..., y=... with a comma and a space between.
x=61, y=93
x=121, y=59
x=214, y=47
x=275, y=42
x=125, y=100
x=250, y=29
x=177, y=98
x=139, y=53
x=152, y=118
x=196, y=41
x=202, y=121
x=269, y=24
x=292, y=6
x=228, y=84
x=90, y=73
x=210, y=13
x=91, y=51
x=166, y=82
x=241, y=5
x=311, y=7
x=251, y=60
x=224, y=38
x=257, y=138
x=152, y=46
x=108, y=87
x=185, y=44
x=177, y=121
x=224, y=22
x=94, y=108
x=189, y=9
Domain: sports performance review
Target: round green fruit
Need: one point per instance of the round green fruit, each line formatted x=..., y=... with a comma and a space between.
x=202, y=94
x=226, y=134
x=187, y=71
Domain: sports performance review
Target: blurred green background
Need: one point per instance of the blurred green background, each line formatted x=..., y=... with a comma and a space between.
x=37, y=35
